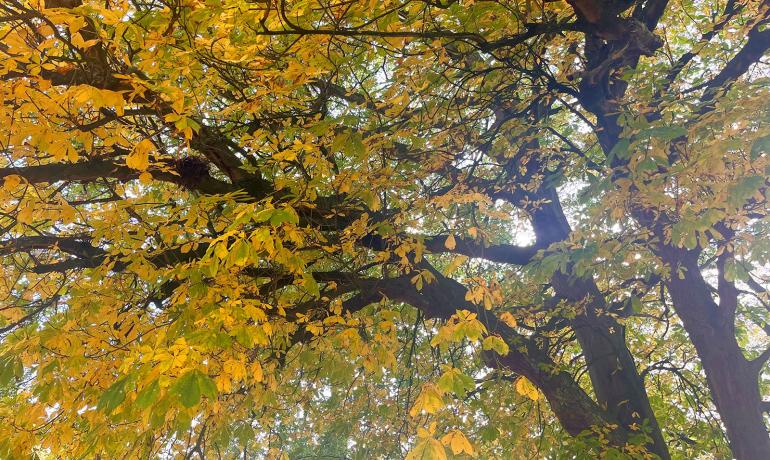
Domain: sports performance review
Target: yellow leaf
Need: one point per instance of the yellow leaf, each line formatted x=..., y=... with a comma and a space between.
x=145, y=178
x=429, y=400
x=223, y=382
x=526, y=388
x=68, y=213
x=417, y=281
x=10, y=182
x=423, y=433
x=25, y=215
x=497, y=344
x=235, y=369
x=427, y=449
x=256, y=372
x=455, y=264
x=475, y=294
x=221, y=250
x=508, y=319
x=139, y=158
x=457, y=441
x=450, y=242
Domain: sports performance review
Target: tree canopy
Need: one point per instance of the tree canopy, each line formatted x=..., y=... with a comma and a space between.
x=362, y=229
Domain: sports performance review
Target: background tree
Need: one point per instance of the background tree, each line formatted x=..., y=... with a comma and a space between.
x=384, y=228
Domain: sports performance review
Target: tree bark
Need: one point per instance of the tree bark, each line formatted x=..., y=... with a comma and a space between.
x=616, y=381
x=732, y=379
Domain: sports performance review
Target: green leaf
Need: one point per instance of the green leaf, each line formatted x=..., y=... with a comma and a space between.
x=283, y=215
x=263, y=216
x=188, y=389
x=489, y=433
x=239, y=253
x=112, y=398
x=495, y=343
x=148, y=395
x=665, y=133
x=453, y=380
x=744, y=189
x=158, y=413
x=355, y=145
x=620, y=150
x=192, y=385
x=10, y=368
x=310, y=285
x=339, y=142
x=206, y=385
x=760, y=146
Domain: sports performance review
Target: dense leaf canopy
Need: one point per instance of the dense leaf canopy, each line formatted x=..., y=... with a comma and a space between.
x=384, y=228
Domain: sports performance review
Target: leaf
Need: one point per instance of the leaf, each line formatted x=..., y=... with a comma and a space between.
x=745, y=189
x=145, y=178
x=468, y=327
x=139, y=158
x=68, y=213
x=495, y=343
x=450, y=243
x=489, y=433
x=455, y=381
x=11, y=181
x=206, y=385
x=525, y=388
x=457, y=442
x=220, y=250
x=620, y=150
x=283, y=215
x=427, y=449
x=355, y=145
x=508, y=318
x=665, y=133
x=10, y=368
x=417, y=281
x=148, y=395
x=240, y=253
x=188, y=389
x=310, y=285
x=257, y=372
x=112, y=397
x=759, y=147
x=430, y=400
x=25, y=215
x=455, y=264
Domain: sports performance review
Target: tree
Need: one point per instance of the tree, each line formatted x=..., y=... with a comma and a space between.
x=384, y=228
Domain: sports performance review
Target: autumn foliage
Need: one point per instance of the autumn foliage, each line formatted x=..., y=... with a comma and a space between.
x=363, y=229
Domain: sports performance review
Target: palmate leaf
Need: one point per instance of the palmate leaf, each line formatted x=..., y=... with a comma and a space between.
x=148, y=395
x=192, y=385
x=113, y=396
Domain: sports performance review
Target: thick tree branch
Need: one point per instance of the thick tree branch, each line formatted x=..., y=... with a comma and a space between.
x=503, y=253
x=88, y=171
x=756, y=46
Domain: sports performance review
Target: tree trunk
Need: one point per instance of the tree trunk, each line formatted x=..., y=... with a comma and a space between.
x=732, y=379
x=611, y=367
x=733, y=384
